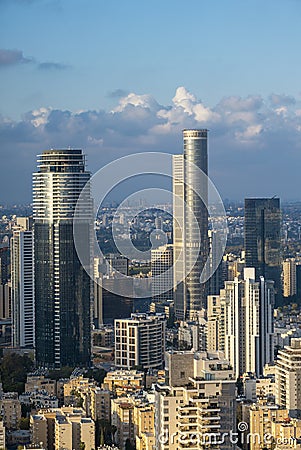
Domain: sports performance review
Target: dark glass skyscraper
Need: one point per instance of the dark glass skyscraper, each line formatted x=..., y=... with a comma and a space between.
x=263, y=240
x=62, y=286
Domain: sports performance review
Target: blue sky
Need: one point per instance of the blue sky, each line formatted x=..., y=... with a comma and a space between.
x=232, y=66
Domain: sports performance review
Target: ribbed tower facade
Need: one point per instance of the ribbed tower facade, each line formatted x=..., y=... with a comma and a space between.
x=22, y=280
x=190, y=222
x=62, y=286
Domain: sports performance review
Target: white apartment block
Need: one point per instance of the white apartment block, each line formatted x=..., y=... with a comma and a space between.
x=288, y=378
x=140, y=341
x=162, y=273
x=22, y=278
x=246, y=323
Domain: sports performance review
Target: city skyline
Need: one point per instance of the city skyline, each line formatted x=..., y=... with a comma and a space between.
x=143, y=305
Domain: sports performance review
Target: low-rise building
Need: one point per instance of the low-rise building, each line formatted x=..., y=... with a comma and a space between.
x=40, y=383
x=121, y=382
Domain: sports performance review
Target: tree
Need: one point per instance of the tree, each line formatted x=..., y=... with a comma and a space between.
x=24, y=423
x=129, y=445
x=64, y=372
x=13, y=370
x=97, y=374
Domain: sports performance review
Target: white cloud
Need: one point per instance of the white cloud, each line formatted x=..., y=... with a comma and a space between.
x=244, y=132
x=132, y=99
x=40, y=116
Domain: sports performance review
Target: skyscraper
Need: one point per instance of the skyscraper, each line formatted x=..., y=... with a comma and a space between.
x=289, y=274
x=62, y=286
x=246, y=323
x=262, y=239
x=22, y=279
x=162, y=274
x=190, y=223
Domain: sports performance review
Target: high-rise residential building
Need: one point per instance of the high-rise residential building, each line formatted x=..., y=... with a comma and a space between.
x=298, y=279
x=262, y=239
x=140, y=341
x=22, y=280
x=213, y=322
x=62, y=285
x=246, y=323
x=289, y=277
x=190, y=223
x=162, y=273
x=197, y=404
x=288, y=378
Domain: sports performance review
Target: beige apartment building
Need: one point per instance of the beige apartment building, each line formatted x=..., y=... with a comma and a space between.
x=10, y=410
x=63, y=428
x=196, y=412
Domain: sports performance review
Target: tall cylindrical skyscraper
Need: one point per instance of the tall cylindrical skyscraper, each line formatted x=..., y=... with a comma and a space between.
x=62, y=286
x=190, y=223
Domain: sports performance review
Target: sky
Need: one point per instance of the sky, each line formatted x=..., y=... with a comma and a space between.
x=119, y=77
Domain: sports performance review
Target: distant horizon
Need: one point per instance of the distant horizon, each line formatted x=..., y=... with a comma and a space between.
x=237, y=202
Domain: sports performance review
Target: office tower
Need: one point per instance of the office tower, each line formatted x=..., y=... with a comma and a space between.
x=216, y=281
x=140, y=341
x=62, y=286
x=246, y=323
x=190, y=224
x=197, y=404
x=289, y=277
x=162, y=273
x=22, y=280
x=262, y=239
x=117, y=264
x=288, y=376
x=4, y=263
x=107, y=304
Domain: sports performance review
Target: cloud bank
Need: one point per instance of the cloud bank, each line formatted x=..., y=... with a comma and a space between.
x=254, y=143
x=12, y=58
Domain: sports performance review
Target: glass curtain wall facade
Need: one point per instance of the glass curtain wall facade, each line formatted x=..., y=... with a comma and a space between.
x=263, y=239
x=192, y=295
x=62, y=286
